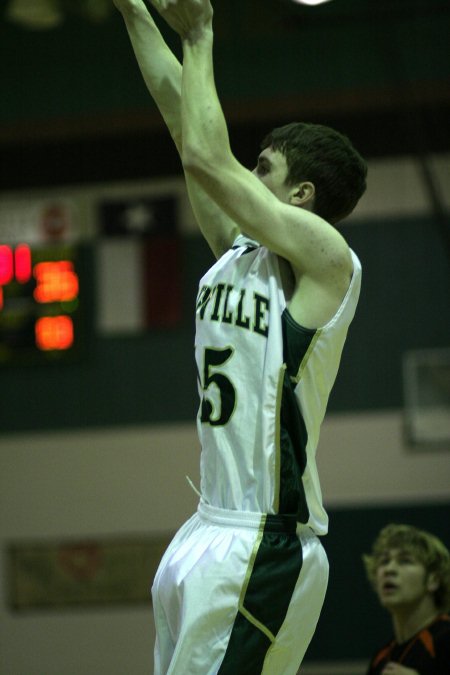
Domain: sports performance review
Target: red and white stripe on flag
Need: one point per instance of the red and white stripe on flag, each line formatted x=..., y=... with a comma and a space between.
x=139, y=265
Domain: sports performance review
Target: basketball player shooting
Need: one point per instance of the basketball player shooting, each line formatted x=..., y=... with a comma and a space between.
x=241, y=586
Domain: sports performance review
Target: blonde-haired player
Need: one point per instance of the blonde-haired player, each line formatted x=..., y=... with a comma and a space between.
x=409, y=569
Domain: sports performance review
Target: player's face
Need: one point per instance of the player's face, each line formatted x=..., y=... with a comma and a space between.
x=401, y=580
x=272, y=170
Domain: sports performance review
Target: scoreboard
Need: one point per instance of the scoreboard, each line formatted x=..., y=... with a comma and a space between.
x=39, y=300
x=60, y=249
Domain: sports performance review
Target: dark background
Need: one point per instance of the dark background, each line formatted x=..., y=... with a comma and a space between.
x=75, y=109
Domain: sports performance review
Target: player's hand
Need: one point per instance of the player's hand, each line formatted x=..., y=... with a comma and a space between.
x=393, y=668
x=187, y=17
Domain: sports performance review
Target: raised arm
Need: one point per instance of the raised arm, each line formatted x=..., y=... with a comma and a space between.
x=314, y=248
x=162, y=74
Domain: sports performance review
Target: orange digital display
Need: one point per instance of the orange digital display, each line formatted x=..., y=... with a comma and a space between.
x=39, y=299
x=56, y=281
x=54, y=332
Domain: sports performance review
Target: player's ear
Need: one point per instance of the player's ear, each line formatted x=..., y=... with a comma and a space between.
x=433, y=582
x=303, y=195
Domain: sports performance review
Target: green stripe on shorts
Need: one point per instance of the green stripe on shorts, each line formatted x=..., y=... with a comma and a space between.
x=264, y=602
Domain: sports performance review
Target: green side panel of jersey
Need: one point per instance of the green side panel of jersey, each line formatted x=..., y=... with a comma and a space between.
x=293, y=433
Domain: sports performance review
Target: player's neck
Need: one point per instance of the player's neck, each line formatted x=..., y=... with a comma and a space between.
x=410, y=621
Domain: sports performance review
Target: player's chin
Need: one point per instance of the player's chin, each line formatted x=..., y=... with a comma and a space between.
x=388, y=598
x=387, y=595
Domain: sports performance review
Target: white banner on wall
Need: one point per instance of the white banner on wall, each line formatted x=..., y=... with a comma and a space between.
x=38, y=221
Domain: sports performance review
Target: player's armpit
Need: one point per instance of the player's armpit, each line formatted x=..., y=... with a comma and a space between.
x=217, y=227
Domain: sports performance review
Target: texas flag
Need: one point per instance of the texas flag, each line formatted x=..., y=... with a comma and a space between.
x=139, y=264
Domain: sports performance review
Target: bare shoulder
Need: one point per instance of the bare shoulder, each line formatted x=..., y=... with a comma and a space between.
x=314, y=248
x=313, y=300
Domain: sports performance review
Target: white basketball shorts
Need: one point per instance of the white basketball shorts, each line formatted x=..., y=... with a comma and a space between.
x=237, y=593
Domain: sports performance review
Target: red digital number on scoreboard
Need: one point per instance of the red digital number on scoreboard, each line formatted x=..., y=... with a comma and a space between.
x=15, y=264
x=56, y=282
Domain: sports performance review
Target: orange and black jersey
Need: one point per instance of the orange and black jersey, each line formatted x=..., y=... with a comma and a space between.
x=427, y=652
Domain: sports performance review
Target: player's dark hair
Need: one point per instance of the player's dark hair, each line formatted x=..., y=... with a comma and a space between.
x=327, y=159
x=425, y=547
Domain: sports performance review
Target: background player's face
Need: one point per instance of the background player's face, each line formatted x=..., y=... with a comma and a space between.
x=272, y=170
x=401, y=580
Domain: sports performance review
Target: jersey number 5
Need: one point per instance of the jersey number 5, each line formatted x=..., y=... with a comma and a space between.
x=227, y=393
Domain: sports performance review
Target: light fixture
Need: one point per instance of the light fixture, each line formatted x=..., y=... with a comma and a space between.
x=312, y=3
x=36, y=14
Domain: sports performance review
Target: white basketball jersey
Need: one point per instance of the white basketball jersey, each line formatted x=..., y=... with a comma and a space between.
x=264, y=383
